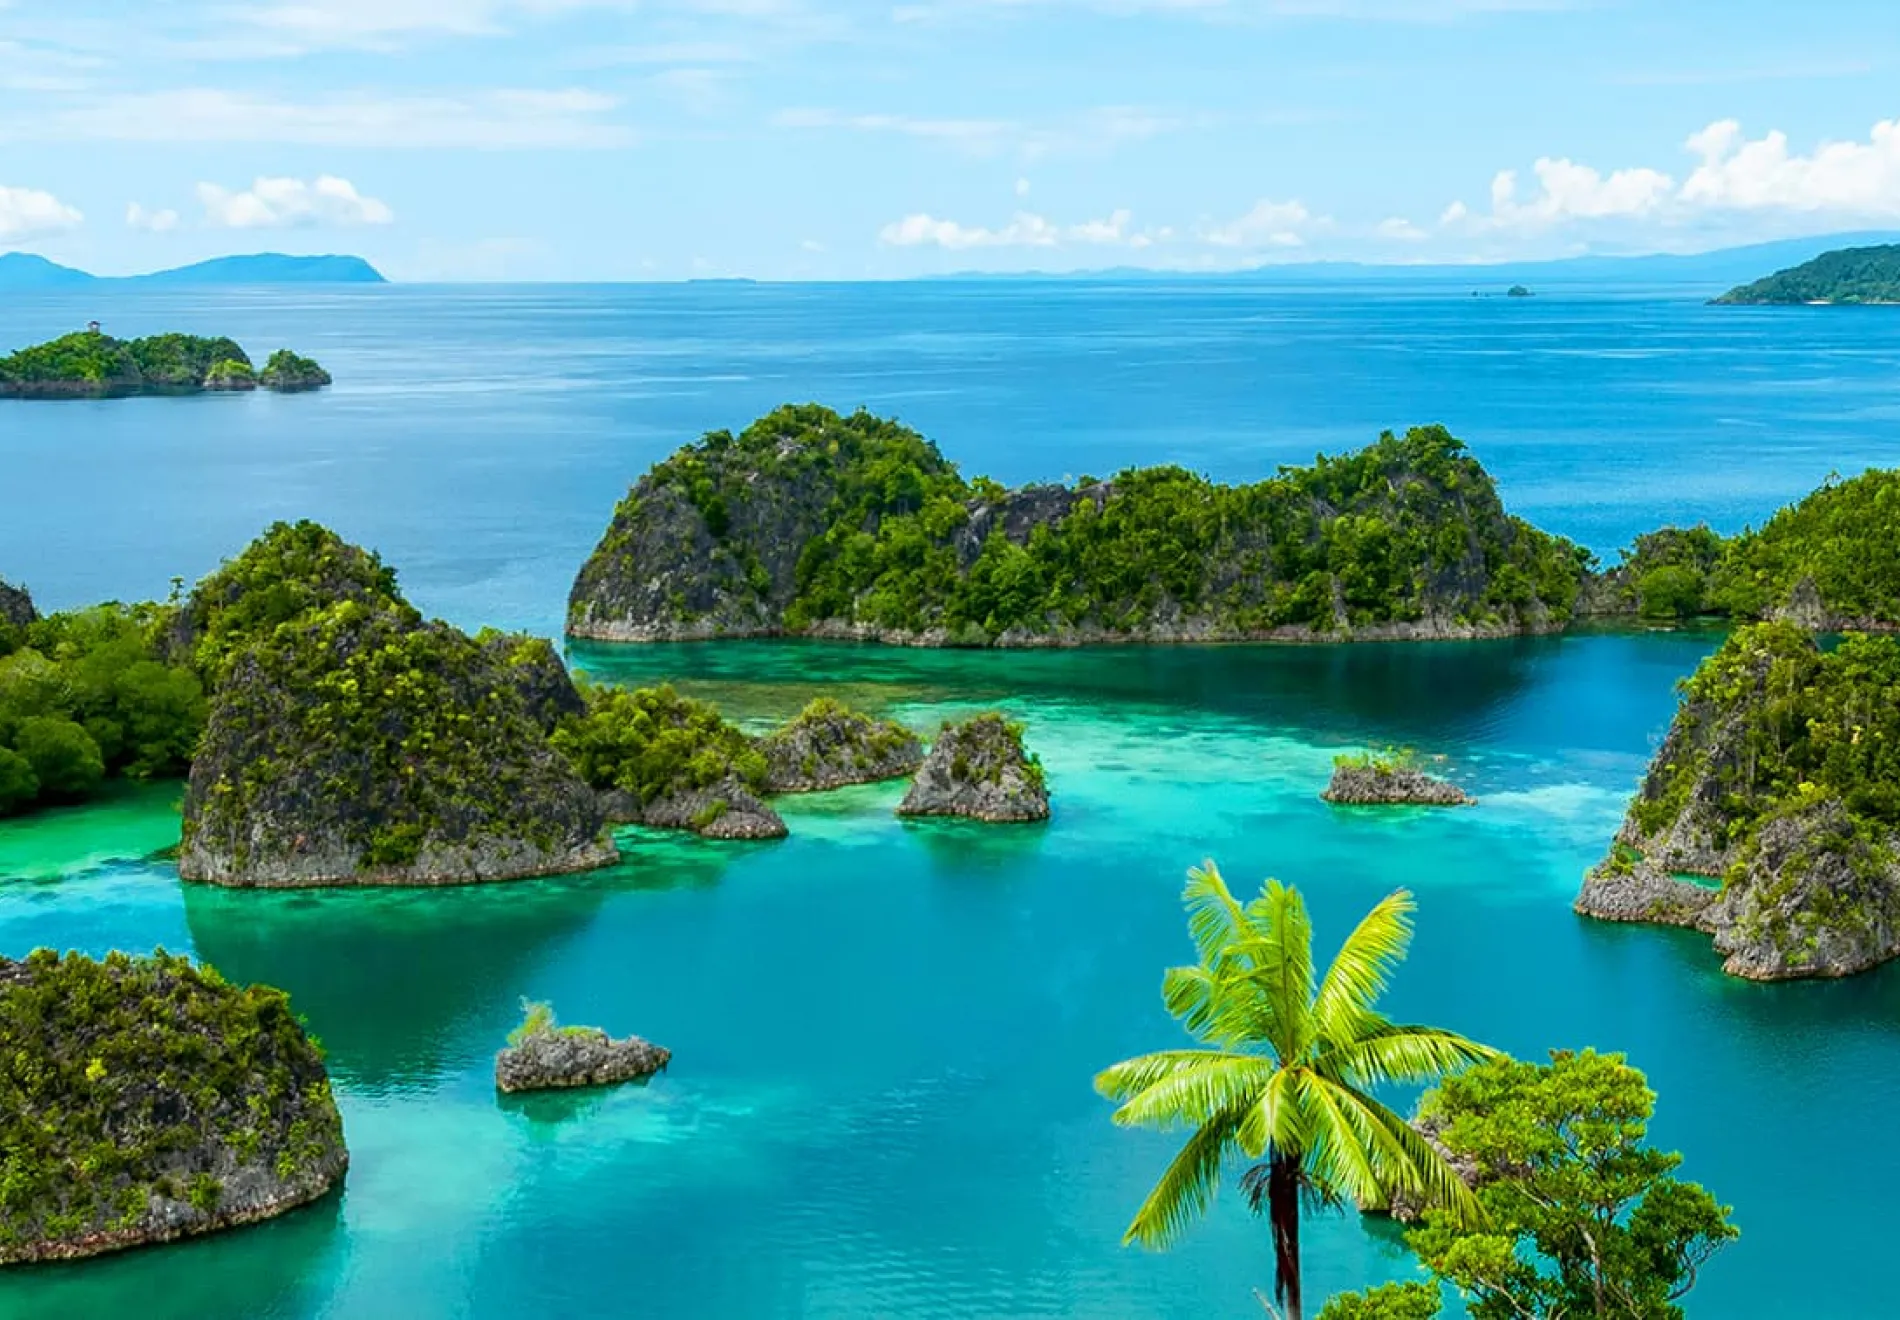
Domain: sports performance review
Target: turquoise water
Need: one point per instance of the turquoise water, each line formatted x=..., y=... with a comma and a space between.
x=883, y=1031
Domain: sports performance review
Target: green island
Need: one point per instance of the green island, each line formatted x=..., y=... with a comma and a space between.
x=543, y=1055
x=979, y=770
x=811, y=523
x=1847, y=275
x=92, y=364
x=1780, y=781
x=1393, y=776
x=146, y=1099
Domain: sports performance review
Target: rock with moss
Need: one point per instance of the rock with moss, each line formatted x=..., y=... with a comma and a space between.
x=670, y=762
x=230, y=376
x=287, y=373
x=354, y=746
x=146, y=1100
x=814, y=524
x=542, y=1055
x=16, y=606
x=1390, y=779
x=829, y=745
x=1779, y=779
x=980, y=770
x=534, y=668
x=289, y=571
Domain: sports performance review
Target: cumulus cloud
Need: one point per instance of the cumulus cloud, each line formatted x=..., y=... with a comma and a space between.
x=1025, y=229
x=1268, y=224
x=1400, y=230
x=1734, y=175
x=292, y=203
x=27, y=213
x=154, y=222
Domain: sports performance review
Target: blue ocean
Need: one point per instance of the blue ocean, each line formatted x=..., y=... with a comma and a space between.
x=884, y=1033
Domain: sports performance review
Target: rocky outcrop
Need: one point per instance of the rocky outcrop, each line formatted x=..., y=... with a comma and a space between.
x=1751, y=790
x=535, y=670
x=559, y=1058
x=828, y=745
x=725, y=810
x=230, y=376
x=1375, y=784
x=356, y=747
x=147, y=1100
x=287, y=373
x=812, y=524
x=16, y=606
x=979, y=770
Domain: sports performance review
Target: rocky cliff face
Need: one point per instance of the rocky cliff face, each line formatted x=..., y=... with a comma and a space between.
x=728, y=809
x=829, y=746
x=1379, y=785
x=979, y=770
x=147, y=1100
x=1773, y=781
x=535, y=670
x=560, y=1058
x=16, y=606
x=355, y=747
x=819, y=525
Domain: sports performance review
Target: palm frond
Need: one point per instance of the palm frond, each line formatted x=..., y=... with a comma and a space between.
x=1193, y=1096
x=1389, y=1053
x=1225, y=1007
x=1281, y=949
x=1216, y=921
x=1275, y=1118
x=1416, y=1165
x=1339, y=1155
x=1184, y=1190
x=1363, y=967
x=1130, y=1077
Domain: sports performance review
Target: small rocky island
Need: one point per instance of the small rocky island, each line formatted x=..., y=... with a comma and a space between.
x=1770, y=817
x=828, y=745
x=980, y=770
x=90, y=364
x=1392, y=778
x=1863, y=275
x=809, y=523
x=660, y=759
x=351, y=742
x=146, y=1100
x=542, y=1055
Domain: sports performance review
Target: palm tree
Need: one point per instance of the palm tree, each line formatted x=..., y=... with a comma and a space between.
x=1285, y=1076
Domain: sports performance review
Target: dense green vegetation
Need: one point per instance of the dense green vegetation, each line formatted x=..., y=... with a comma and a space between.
x=134, y=1081
x=1283, y=1075
x=653, y=743
x=1844, y=538
x=1581, y=1216
x=828, y=744
x=90, y=362
x=1668, y=574
x=1787, y=724
x=86, y=697
x=1383, y=761
x=811, y=520
x=1847, y=275
x=288, y=572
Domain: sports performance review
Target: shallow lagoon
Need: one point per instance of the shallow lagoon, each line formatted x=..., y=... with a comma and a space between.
x=884, y=1032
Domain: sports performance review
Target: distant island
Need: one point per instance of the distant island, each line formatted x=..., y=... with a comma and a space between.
x=90, y=364
x=22, y=272
x=1860, y=275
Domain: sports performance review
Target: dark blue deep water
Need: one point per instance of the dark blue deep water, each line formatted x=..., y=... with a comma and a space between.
x=884, y=1033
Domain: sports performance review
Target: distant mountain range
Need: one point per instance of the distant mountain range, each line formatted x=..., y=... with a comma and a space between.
x=1724, y=266
x=22, y=271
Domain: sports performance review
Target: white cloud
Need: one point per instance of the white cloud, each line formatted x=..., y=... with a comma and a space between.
x=1268, y=224
x=292, y=203
x=1400, y=230
x=27, y=213
x=1025, y=229
x=1092, y=131
x=154, y=222
x=1851, y=178
x=491, y=120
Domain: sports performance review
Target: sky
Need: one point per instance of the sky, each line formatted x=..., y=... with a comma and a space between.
x=844, y=139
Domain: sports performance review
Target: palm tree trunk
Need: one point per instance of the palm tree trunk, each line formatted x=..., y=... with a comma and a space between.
x=1283, y=1212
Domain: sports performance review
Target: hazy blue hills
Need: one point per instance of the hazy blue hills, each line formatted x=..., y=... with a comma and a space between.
x=23, y=272
x=1722, y=267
